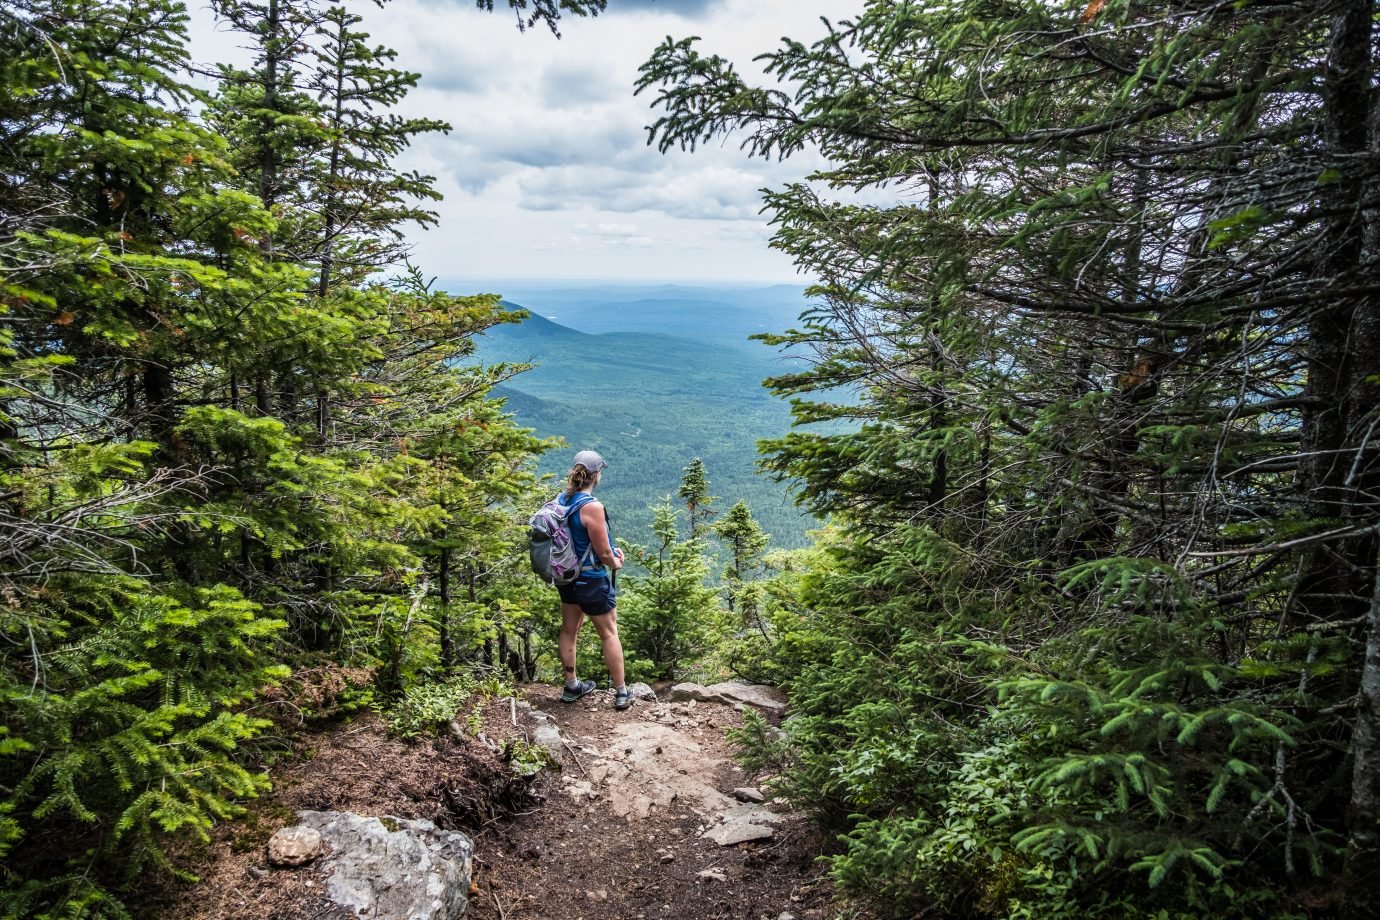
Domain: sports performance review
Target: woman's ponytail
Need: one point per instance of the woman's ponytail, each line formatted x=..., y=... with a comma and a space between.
x=580, y=480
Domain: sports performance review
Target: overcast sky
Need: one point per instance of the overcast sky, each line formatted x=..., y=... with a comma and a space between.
x=546, y=172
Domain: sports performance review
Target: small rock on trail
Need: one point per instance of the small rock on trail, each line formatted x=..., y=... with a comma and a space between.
x=290, y=847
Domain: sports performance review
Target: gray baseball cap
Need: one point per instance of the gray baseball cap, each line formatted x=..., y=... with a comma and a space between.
x=590, y=460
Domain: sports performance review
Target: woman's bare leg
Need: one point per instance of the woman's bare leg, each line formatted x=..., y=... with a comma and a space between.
x=572, y=618
x=606, y=625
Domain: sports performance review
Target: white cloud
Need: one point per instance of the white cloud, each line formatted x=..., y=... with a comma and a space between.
x=603, y=235
x=714, y=193
x=548, y=149
x=576, y=82
x=687, y=8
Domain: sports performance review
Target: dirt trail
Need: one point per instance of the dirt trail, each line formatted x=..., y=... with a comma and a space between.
x=619, y=835
x=616, y=833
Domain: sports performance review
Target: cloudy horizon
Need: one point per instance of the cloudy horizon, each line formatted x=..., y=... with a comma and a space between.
x=546, y=172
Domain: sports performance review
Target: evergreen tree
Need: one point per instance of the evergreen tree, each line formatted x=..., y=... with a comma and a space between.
x=115, y=716
x=363, y=201
x=471, y=469
x=177, y=527
x=1112, y=472
x=745, y=540
x=669, y=615
x=694, y=491
x=268, y=114
x=531, y=12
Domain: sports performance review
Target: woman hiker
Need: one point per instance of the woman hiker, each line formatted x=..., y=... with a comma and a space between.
x=591, y=594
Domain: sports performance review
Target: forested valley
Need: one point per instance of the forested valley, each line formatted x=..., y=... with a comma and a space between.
x=616, y=392
x=1090, y=626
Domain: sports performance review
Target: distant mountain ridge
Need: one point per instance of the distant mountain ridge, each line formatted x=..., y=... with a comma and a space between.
x=573, y=363
x=703, y=320
x=721, y=314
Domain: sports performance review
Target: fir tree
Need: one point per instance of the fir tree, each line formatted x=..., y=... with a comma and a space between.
x=669, y=614
x=176, y=526
x=694, y=491
x=363, y=201
x=267, y=113
x=745, y=540
x=1109, y=345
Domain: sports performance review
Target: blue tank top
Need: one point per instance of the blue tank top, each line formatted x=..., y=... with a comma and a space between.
x=580, y=536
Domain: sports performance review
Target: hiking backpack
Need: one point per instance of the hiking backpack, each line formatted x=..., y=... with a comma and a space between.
x=550, y=544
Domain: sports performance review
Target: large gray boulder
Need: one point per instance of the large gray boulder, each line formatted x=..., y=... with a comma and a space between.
x=730, y=691
x=393, y=868
x=742, y=824
x=736, y=691
x=687, y=691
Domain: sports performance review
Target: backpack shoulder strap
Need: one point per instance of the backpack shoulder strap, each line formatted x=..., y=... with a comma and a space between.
x=572, y=509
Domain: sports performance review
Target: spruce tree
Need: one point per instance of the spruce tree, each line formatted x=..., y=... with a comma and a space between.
x=1111, y=471
x=669, y=615
x=745, y=540
x=694, y=491
x=174, y=528
x=120, y=290
x=363, y=201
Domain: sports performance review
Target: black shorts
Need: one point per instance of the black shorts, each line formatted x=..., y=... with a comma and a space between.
x=594, y=595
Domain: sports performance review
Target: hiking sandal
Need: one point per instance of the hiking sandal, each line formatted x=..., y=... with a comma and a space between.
x=571, y=694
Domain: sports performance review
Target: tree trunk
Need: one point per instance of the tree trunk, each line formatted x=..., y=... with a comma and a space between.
x=1322, y=469
x=268, y=162
x=1340, y=469
x=1362, y=882
x=287, y=396
x=330, y=206
x=323, y=415
x=443, y=627
x=938, y=488
x=9, y=459
x=529, y=660
x=158, y=409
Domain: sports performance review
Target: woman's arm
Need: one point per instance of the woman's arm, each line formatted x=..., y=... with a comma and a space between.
x=592, y=516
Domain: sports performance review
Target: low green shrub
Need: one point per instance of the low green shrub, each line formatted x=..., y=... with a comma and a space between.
x=427, y=708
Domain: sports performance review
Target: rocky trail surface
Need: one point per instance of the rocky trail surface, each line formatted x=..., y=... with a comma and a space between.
x=642, y=814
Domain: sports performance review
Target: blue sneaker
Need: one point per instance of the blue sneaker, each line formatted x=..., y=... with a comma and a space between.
x=571, y=694
x=622, y=699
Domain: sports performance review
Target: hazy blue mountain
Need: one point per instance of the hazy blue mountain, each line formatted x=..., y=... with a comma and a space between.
x=704, y=320
x=721, y=315
x=586, y=367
